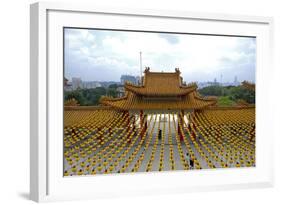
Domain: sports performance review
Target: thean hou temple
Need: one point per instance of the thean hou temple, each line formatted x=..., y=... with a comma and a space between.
x=164, y=91
x=162, y=124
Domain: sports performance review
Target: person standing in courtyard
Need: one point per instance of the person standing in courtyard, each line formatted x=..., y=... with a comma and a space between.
x=188, y=159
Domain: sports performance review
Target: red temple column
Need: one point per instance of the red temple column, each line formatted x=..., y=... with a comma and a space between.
x=110, y=131
x=194, y=126
x=182, y=118
x=141, y=123
x=141, y=118
x=189, y=127
x=134, y=122
x=180, y=123
x=145, y=121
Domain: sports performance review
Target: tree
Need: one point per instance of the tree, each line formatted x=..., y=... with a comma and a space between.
x=225, y=101
x=232, y=93
x=112, y=92
x=241, y=93
x=211, y=91
x=86, y=96
x=114, y=86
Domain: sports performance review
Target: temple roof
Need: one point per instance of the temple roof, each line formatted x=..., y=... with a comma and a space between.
x=161, y=84
x=134, y=102
x=160, y=91
x=248, y=85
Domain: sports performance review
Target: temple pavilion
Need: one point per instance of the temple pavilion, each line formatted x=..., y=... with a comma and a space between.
x=162, y=124
x=160, y=91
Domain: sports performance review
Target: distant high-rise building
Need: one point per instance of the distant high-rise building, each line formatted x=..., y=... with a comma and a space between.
x=120, y=91
x=90, y=84
x=129, y=78
x=66, y=84
x=138, y=79
x=236, y=83
x=76, y=83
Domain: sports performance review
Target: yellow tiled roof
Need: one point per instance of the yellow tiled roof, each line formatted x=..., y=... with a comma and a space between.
x=160, y=91
x=248, y=85
x=134, y=102
x=161, y=84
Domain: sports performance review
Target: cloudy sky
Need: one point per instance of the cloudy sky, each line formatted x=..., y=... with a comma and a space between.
x=100, y=55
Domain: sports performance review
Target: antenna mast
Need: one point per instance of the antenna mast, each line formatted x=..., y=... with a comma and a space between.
x=140, y=67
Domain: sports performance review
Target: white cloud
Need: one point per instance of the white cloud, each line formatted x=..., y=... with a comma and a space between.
x=193, y=54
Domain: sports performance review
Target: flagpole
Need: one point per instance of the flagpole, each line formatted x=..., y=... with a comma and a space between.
x=140, y=67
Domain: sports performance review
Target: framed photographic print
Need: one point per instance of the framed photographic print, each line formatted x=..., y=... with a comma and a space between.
x=127, y=102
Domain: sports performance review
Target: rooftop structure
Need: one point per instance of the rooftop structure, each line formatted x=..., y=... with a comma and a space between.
x=160, y=90
x=128, y=78
x=248, y=85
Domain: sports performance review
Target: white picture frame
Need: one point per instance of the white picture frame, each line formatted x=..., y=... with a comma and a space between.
x=46, y=179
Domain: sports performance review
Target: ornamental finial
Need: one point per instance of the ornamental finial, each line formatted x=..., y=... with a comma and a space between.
x=177, y=70
x=146, y=69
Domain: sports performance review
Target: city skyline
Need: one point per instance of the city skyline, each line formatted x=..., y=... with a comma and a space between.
x=235, y=79
x=99, y=55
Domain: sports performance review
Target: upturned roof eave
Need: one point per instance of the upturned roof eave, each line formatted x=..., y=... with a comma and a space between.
x=139, y=90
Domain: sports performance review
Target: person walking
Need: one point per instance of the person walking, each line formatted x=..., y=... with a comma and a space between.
x=160, y=134
x=190, y=161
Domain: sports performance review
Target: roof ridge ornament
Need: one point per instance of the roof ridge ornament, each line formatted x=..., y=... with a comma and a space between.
x=147, y=70
x=177, y=70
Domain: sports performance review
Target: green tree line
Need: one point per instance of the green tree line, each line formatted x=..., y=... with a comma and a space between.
x=229, y=95
x=91, y=96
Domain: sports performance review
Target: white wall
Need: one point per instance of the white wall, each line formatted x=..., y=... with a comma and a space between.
x=14, y=102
